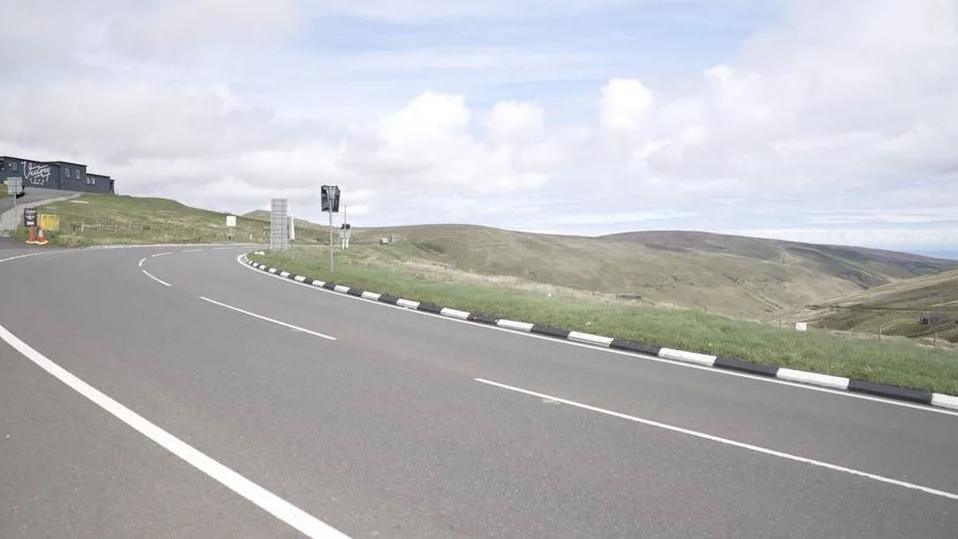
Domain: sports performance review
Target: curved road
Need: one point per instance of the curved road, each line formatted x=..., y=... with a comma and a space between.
x=172, y=391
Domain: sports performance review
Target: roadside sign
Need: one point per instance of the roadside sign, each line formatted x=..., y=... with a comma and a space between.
x=231, y=221
x=279, y=225
x=801, y=326
x=14, y=186
x=49, y=222
x=29, y=217
x=329, y=195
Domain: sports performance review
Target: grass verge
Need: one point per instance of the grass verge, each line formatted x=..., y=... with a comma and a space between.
x=899, y=363
x=94, y=219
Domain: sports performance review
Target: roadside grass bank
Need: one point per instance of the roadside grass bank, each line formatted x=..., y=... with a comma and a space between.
x=95, y=219
x=899, y=363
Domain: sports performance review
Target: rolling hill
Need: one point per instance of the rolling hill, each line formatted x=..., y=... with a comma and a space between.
x=917, y=307
x=733, y=275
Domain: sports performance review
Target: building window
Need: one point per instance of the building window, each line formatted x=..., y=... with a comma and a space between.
x=13, y=165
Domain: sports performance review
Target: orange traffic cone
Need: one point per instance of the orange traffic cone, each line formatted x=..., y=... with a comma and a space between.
x=41, y=240
x=32, y=235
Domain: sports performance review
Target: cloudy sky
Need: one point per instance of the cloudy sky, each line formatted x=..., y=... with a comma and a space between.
x=827, y=121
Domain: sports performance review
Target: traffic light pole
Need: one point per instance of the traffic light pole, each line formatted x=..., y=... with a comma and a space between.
x=330, y=239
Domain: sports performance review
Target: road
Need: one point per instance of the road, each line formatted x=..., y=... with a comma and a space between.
x=199, y=398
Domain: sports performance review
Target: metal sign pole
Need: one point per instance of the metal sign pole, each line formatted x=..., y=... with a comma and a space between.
x=330, y=239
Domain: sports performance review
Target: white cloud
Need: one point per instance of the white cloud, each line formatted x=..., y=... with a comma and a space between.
x=624, y=103
x=853, y=115
x=515, y=120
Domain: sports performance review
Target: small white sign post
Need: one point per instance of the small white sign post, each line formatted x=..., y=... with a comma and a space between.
x=231, y=225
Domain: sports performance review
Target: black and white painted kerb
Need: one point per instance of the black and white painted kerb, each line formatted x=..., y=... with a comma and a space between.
x=919, y=396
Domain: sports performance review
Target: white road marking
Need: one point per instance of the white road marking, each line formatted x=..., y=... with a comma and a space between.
x=267, y=319
x=21, y=256
x=161, y=254
x=692, y=357
x=409, y=304
x=519, y=329
x=838, y=382
x=948, y=401
x=271, y=503
x=164, y=283
x=454, y=313
x=726, y=441
x=514, y=325
x=142, y=260
x=191, y=250
x=590, y=338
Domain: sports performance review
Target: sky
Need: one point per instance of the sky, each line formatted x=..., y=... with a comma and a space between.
x=809, y=120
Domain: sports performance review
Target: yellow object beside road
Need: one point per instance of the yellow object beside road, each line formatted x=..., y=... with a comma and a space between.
x=49, y=222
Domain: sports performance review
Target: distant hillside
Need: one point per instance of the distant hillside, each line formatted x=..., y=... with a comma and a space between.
x=866, y=267
x=99, y=219
x=306, y=231
x=259, y=215
x=899, y=308
x=733, y=275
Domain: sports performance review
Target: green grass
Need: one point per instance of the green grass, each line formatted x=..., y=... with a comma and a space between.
x=3, y=190
x=740, y=277
x=897, y=307
x=386, y=270
x=94, y=219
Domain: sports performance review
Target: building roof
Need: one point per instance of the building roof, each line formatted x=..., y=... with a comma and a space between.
x=43, y=162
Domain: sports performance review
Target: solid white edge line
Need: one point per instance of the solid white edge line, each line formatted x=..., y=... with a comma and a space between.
x=268, y=319
x=826, y=380
x=503, y=325
x=945, y=401
x=691, y=357
x=726, y=441
x=148, y=274
x=266, y=500
x=24, y=256
x=590, y=338
x=142, y=260
x=514, y=325
x=454, y=313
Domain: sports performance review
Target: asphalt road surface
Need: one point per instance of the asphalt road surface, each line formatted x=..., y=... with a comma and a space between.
x=32, y=195
x=186, y=395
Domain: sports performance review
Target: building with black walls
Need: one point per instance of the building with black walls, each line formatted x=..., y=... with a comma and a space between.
x=54, y=175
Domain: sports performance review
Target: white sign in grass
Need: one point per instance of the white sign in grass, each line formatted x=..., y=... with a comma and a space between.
x=801, y=326
x=231, y=221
